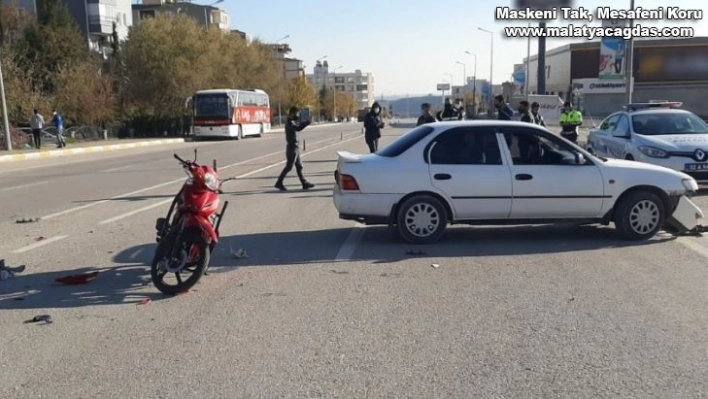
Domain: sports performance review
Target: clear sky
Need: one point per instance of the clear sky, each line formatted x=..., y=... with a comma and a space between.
x=409, y=46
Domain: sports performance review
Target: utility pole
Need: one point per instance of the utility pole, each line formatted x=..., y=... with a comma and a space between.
x=541, y=73
x=528, y=66
x=629, y=62
x=8, y=135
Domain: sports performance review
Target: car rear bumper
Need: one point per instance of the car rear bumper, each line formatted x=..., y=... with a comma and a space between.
x=365, y=208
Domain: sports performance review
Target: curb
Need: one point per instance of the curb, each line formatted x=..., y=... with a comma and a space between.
x=85, y=150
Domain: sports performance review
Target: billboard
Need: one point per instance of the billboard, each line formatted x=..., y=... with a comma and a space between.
x=671, y=64
x=443, y=86
x=612, y=53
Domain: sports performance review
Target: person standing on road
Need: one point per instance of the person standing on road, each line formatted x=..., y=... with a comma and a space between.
x=37, y=123
x=293, y=125
x=460, y=109
x=427, y=117
x=372, y=127
x=569, y=120
x=525, y=113
x=59, y=125
x=449, y=112
x=504, y=111
x=538, y=118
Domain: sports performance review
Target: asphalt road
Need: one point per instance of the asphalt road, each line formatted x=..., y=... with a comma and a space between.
x=322, y=307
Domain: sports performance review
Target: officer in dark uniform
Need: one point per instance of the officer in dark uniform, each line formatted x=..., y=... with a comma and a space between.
x=292, y=149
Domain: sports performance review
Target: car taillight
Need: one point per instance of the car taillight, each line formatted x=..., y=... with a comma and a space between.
x=348, y=183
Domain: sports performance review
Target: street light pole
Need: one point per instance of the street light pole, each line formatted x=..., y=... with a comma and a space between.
x=464, y=85
x=285, y=74
x=490, y=111
x=474, y=84
x=334, y=94
x=8, y=135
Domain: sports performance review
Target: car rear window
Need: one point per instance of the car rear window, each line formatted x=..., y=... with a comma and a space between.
x=665, y=123
x=404, y=142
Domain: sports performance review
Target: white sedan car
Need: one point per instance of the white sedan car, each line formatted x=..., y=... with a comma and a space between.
x=503, y=172
x=664, y=136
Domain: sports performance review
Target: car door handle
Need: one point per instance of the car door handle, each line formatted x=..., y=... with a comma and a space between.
x=524, y=176
x=442, y=176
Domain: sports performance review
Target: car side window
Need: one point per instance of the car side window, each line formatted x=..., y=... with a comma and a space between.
x=465, y=146
x=532, y=147
x=622, y=127
x=609, y=124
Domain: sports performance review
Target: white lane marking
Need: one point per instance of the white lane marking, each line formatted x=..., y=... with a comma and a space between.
x=38, y=244
x=136, y=211
x=116, y=169
x=350, y=244
x=155, y=205
x=37, y=183
x=136, y=253
x=693, y=245
x=92, y=204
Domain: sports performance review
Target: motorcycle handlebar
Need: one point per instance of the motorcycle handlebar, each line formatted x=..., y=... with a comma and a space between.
x=180, y=159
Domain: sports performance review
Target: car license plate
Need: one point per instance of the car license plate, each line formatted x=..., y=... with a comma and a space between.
x=695, y=166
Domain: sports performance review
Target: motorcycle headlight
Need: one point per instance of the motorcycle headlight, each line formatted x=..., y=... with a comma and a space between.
x=211, y=181
x=653, y=152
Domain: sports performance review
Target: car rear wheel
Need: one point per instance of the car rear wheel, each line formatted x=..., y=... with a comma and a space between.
x=422, y=219
x=640, y=215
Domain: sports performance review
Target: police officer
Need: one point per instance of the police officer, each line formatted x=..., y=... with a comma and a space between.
x=292, y=149
x=569, y=120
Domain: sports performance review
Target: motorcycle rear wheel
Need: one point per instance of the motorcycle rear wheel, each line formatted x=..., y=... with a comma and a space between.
x=189, y=239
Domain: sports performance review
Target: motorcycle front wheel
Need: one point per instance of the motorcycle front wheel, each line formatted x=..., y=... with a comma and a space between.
x=190, y=259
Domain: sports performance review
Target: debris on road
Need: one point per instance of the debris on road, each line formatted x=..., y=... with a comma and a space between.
x=47, y=319
x=435, y=265
x=40, y=238
x=7, y=272
x=77, y=279
x=415, y=253
x=338, y=272
x=240, y=254
x=30, y=220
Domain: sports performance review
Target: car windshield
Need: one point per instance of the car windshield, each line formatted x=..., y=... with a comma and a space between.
x=405, y=141
x=667, y=123
x=211, y=106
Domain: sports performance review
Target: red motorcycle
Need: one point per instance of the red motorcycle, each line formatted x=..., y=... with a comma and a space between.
x=185, y=244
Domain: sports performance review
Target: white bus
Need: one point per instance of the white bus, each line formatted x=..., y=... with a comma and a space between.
x=230, y=113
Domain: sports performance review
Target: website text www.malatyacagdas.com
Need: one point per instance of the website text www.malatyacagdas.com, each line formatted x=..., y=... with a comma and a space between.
x=593, y=32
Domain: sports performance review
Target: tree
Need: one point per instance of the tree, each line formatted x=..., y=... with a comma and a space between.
x=85, y=93
x=346, y=104
x=302, y=94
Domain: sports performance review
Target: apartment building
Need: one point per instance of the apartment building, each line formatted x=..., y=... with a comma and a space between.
x=97, y=18
x=359, y=84
x=208, y=16
x=292, y=67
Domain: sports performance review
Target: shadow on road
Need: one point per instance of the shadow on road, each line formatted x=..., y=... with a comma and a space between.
x=379, y=246
x=114, y=286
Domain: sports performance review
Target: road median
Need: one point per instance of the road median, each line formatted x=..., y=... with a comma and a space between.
x=87, y=149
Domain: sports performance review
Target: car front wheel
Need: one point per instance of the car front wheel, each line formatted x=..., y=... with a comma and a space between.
x=640, y=215
x=422, y=219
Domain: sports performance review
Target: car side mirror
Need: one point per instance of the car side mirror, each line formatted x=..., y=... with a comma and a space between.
x=579, y=158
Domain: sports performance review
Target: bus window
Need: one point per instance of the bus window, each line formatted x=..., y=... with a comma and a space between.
x=211, y=106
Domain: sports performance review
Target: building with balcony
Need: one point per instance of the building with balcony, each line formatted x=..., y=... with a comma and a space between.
x=207, y=16
x=98, y=18
x=359, y=84
x=292, y=67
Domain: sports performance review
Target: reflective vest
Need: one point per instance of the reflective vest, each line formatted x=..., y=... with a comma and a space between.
x=574, y=117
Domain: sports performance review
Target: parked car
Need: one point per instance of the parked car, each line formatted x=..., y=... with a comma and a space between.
x=502, y=172
x=659, y=133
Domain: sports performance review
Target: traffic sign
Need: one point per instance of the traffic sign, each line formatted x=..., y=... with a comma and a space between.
x=443, y=86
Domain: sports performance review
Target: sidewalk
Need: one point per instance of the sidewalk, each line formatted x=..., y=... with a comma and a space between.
x=85, y=147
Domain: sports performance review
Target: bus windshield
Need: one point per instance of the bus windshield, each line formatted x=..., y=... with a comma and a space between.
x=212, y=106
